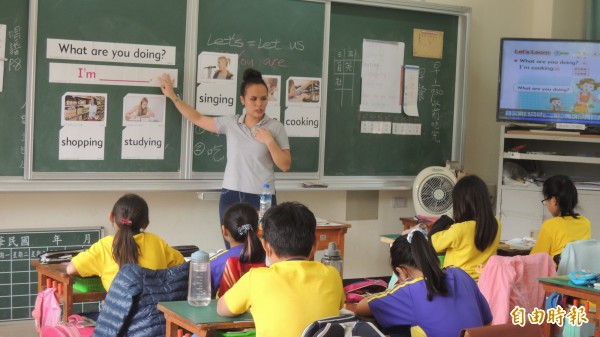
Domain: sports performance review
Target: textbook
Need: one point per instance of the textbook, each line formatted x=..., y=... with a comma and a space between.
x=59, y=256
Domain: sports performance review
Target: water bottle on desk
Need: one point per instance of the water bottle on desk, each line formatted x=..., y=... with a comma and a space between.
x=265, y=201
x=332, y=257
x=199, y=282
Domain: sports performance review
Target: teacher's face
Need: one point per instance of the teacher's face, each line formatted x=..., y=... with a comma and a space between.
x=255, y=100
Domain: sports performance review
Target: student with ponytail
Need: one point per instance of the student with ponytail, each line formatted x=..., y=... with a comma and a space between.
x=441, y=302
x=130, y=244
x=240, y=229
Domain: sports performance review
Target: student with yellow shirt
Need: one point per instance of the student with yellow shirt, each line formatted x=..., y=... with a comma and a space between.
x=293, y=291
x=130, y=244
x=560, y=197
x=475, y=234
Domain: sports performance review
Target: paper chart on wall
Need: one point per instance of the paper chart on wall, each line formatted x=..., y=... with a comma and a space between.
x=411, y=90
x=381, y=82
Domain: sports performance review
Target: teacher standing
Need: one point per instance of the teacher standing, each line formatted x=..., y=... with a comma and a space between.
x=255, y=142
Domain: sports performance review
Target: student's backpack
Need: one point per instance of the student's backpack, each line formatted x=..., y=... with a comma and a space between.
x=356, y=291
x=340, y=326
x=48, y=323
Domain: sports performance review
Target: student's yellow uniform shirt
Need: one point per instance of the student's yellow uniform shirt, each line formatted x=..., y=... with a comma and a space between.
x=558, y=231
x=287, y=296
x=458, y=242
x=99, y=261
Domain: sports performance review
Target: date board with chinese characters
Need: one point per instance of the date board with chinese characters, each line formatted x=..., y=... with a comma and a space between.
x=18, y=279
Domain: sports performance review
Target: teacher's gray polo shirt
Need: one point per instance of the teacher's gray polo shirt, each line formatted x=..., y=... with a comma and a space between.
x=249, y=162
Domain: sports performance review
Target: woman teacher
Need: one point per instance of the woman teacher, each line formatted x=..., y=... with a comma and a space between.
x=255, y=142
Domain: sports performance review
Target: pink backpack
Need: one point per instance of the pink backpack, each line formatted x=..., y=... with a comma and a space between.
x=48, y=318
x=356, y=291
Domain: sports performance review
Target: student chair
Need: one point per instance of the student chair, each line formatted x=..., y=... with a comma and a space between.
x=504, y=330
x=233, y=271
x=577, y=255
x=509, y=281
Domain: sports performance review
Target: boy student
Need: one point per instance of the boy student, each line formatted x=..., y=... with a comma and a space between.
x=293, y=291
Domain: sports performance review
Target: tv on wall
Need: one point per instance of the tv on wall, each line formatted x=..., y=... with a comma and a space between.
x=551, y=82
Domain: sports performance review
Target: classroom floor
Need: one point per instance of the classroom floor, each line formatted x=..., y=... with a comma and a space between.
x=18, y=329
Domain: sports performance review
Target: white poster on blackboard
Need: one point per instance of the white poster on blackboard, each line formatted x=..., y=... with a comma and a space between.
x=381, y=76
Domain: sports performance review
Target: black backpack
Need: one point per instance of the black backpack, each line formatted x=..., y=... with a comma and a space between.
x=341, y=326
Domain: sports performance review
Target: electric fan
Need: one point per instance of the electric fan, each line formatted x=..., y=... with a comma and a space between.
x=432, y=191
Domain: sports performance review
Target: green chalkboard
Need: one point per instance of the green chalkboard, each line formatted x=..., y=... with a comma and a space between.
x=277, y=37
x=350, y=152
x=18, y=279
x=112, y=52
x=13, y=40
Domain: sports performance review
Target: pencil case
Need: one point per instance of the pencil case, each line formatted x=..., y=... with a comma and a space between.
x=88, y=285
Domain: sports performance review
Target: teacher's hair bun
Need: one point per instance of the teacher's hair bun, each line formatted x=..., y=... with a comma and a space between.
x=250, y=74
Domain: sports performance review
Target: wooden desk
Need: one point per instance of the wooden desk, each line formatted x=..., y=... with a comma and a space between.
x=331, y=233
x=561, y=285
x=200, y=320
x=503, y=249
x=58, y=272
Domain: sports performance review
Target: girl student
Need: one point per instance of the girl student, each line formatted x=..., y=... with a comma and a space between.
x=255, y=142
x=240, y=229
x=427, y=297
x=140, y=110
x=475, y=234
x=130, y=244
x=560, y=197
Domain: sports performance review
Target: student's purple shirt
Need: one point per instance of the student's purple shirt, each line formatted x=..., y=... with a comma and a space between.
x=217, y=265
x=406, y=304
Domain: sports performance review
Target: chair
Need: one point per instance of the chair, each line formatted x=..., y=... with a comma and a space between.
x=577, y=255
x=509, y=281
x=340, y=326
x=233, y=271
x=130, y=307
x=504, y=330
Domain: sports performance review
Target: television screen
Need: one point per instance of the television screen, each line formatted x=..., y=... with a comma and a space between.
x=549, y=81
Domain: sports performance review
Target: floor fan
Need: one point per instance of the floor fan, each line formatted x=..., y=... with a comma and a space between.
x=432, y=192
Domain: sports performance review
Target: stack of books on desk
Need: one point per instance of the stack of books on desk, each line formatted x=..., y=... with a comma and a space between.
x=59, y=256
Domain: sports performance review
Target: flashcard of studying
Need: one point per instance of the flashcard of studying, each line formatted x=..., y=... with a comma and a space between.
x=143, y=142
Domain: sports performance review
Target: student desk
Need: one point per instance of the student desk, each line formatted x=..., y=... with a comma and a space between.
x=331, y=233
x=200, y=320
x=57, y=272
x=503, y=249
x=561, y=285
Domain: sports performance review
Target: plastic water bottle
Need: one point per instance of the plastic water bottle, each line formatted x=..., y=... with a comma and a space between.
x=332, y=257
x=265, y=201
x=199, y=283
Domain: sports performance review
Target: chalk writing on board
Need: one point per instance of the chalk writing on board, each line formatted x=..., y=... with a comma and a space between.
x=436, y=94
x=14, y=49
x=344, y=66
x=18, y=279
x=216, y=152
x=235, y=41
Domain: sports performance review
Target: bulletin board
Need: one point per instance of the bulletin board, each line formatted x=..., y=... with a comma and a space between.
x=378, y=140
x=109, y=54
x=280, y=38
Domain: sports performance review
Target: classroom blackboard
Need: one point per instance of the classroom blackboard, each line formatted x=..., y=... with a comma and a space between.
x=282, y=38
x=18, y=278
x=13, y=40
x=103, y=50
x=349, y=151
